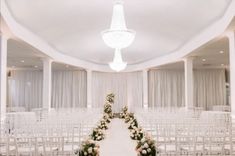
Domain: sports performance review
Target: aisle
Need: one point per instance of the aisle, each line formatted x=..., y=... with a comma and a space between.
x=117, y=141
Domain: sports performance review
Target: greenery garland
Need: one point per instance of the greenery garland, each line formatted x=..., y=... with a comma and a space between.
x=103, y=125
x=88, y=148
x=97, y=134
x=145, y=143
x=146, y=146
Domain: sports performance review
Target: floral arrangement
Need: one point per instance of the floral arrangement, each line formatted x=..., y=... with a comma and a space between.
x=103, y=125
x=146, y=147
x=108, y=105
x=129, y=117
x=123, y=112
x=106, y=118
x=97, y=134
x=110, y=98
x=133, y=123
x=137, y=133
x=107, y=108
x=88, y=148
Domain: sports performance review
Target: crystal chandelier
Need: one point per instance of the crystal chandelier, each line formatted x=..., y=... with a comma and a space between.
x=117, y=63
x=118, y=36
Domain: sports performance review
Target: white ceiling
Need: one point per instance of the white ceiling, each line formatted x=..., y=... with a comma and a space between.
x=73, y=27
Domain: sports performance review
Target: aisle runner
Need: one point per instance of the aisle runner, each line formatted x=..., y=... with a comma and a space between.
x=117, y=141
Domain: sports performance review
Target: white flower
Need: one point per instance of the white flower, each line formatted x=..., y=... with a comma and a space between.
x=143, y=140
x=95, y=149
x=149, y=150
x=85, y=153
x=146, y=145
x=90, y=150
x=144, y=152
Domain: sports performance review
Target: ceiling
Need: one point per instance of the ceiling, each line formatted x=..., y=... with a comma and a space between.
x=214, y=54
x=23, y=56
x=74, y=27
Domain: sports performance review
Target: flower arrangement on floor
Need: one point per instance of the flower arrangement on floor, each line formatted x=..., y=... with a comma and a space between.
x=108, y=109
x=137, y=133
x=106, y=118
x=97, y=134
x=88, y=148
x=123, y=112
x=110, y=98
x=108, y=105
x=133, y=123
x=129, y=117
x=146, y=146
x=103, y=125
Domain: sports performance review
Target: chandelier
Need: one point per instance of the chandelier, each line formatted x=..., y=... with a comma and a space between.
x=117, y=63
x=118, y=36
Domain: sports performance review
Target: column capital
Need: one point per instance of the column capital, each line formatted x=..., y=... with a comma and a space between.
x=46, y=59
x=5, y=36
x=230, y=34
x=189, y=58
x=88, y=70
x=145, y=70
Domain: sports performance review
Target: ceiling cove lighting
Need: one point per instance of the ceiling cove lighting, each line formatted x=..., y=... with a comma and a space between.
x=117, y=63
x=118, y=36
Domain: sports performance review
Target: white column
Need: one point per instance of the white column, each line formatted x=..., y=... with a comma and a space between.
x=188, y=71
x=47, y=83
x=145, y=88
x=89, y=91
x=3, y=77
x=231, y=37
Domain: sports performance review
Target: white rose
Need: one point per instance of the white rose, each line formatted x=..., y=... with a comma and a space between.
x=90, y=150
x=85, y=153
x=96, y=149
x=142, y=140
x=146, y=145
x=144, y=152
x=149, y=150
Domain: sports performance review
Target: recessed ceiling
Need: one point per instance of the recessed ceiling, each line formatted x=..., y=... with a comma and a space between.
x=73, y=27
x=22, y=55
x=213, y=54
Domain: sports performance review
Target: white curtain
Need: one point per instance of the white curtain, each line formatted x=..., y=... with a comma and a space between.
x=166, y=88
x=25, y=89
x=69, y=89
x=209, y=88
x=127, y=87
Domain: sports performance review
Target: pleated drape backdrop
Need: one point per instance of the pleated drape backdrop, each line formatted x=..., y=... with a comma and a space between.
x=68, y=89
x=209, y=88
x=127, y=87
x=166, y=88
x=25, y=89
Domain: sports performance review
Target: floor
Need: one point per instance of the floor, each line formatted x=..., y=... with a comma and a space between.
x=117, y=141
